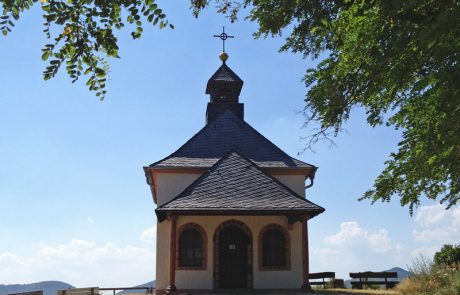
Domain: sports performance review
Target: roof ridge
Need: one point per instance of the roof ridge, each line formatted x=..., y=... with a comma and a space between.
x=184, y=144
x=224, y=66
x=279, y=149
x=246, y=160
x=208, y=171
x=276, y=180
x=245, y=124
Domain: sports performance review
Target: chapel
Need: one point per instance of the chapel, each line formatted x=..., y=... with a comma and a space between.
x=231, y=206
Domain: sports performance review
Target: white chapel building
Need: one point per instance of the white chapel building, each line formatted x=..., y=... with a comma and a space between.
x=231, y=206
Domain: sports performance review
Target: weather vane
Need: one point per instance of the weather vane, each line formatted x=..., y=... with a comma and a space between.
x=223, y=36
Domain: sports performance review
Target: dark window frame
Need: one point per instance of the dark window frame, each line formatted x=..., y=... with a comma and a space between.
x=271, y=263
x=193, y=265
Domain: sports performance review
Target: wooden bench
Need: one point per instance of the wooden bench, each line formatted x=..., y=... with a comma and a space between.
x=375, y=276
x=28, y=293
x=148, y=290
x=79, y=291
x=321, y=275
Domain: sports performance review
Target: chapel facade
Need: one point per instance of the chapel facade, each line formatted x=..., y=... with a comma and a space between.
x=231, y=206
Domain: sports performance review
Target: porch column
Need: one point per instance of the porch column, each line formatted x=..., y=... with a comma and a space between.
x=305, y=258
x=172, y=255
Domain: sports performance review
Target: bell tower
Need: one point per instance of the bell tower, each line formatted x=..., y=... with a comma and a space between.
x=224, y=88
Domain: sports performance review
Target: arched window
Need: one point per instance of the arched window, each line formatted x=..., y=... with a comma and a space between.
x=192, y=247
x=274, y=248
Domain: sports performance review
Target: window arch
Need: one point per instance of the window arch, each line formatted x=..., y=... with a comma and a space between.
x=274, y=248
x=191, y=248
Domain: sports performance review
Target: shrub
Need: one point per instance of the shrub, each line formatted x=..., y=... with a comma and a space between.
x=429, y=278
x=449, y=255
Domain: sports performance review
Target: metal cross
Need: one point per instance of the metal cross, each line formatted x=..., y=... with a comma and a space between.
x=223, y=36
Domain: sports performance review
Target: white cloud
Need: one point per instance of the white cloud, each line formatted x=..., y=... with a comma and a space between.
x=351, y=234
x=427, y=252
x=150, y=235
x=354, y=248
x=8, y=257
x=90, y=220
x=437, y=226
x=434, y=227
x=348, y=232
x=81, y=263
x=430, y=215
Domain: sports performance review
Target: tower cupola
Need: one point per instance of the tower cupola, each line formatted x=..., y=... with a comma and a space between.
x=224, y=85
x=224, y=88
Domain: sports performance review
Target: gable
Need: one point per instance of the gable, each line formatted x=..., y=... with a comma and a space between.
x=235, y=185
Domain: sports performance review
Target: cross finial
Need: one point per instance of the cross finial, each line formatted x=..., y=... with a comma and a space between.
x=223, y=36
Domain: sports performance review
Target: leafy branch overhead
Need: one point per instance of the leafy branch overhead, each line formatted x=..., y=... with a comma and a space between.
x=82, y=33
x=398, y=60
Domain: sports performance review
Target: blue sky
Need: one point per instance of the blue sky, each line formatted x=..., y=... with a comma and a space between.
x=74, y=203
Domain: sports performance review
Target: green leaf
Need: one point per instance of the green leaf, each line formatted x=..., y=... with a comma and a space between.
x=45, y=55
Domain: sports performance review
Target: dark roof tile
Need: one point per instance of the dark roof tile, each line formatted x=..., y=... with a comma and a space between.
x=227, y=132
x=224, y=73
x=235, y=184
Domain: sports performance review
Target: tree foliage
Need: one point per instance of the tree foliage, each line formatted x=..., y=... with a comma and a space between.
x=82, y=33
x=448, y=255
x=399, y=61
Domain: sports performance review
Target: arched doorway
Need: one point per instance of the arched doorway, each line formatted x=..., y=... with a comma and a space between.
x=233, y=256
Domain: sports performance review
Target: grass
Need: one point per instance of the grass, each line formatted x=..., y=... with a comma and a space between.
x=437, y=280
x=354, y=291
x=428, y=278
x=425, y=279
x=343, y=292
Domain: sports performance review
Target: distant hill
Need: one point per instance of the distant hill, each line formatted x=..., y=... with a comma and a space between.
x=402, y=274
x=48, y=287
x=140, y=291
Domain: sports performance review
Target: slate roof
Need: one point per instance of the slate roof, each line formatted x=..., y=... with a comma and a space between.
x=235, y=185
x=227, y=132
x=224, y=74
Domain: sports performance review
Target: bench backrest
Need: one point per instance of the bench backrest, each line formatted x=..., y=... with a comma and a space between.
x=321, y=275
x=79, y=291
x=374, y=275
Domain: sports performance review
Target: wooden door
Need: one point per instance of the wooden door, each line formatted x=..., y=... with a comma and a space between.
x=233, y=258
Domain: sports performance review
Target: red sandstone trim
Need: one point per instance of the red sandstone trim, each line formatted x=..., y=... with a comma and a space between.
x=288, y=248
x=305, y=259
x=245, y=228
x=200, y=170
x=182, y=170
x=172, y=254
x=204, y=246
